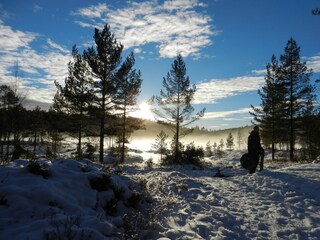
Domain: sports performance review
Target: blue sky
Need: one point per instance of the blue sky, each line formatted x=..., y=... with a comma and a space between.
x=226, y=45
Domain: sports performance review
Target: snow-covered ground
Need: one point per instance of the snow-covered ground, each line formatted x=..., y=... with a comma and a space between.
x=69, y=199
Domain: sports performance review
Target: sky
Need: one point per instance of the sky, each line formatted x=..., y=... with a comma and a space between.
x=225, y=44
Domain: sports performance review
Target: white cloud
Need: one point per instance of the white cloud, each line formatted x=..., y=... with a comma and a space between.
x=259, y=72
x=174, y=26
x=92, y=11
x=36, y=71
x=54, y=45
x=4, y=14
x=13, y=40
x=314, y=63
x=216, y=89
x=225, y=114
x=36, y=8
x=137, y=50
x=85, y=25
x=181, y=4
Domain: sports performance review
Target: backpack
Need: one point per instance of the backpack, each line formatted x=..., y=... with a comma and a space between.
x=245, y=161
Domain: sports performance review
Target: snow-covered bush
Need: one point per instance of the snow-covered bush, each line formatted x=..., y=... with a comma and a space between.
x=189, y=155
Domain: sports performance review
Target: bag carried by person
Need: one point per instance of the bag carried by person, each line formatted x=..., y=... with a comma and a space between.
x=245, y=161
x=247, y=164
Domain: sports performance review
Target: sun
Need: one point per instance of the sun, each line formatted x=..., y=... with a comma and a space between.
x=145, y=111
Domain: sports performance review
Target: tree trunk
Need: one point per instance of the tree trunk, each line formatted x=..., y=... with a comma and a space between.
x=101, y=136
x=80, y=134
x=291, y=117
x=123, y=135
x=35, y=141
x=102, y=121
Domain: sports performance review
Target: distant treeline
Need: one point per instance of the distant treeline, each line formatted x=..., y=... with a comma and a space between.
x=17, y=124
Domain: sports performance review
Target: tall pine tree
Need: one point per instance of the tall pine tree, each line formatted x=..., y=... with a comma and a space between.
x=270, y=114
x=76, y=95
x=299, y=91
x=127, y=91
x=104, y=60
x=174, y=102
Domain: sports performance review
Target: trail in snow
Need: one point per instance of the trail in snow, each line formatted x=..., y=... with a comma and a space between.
x=266, y=205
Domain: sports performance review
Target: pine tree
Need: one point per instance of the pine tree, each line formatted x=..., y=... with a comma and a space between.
x=11, y=108
x=160, y=144
x=127, y=90
x=76, y=95
x=104, y=60
x=219, y=149
x=299, y=91
x=174, y=102
x=214, y=147
x=271, y=112
x=37, y=126
x=229, y=142
x=208, y=149
x=310, y=139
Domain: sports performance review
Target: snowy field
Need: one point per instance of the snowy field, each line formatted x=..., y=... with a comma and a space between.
x=69, y=199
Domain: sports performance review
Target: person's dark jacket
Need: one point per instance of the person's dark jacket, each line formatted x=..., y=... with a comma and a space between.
x=254, y=145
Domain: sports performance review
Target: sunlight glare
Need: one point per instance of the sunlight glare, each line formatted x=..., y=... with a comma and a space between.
x=145, y=111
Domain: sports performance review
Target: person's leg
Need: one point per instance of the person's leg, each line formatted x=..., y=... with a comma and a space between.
x=254, y=164
x=261, y=161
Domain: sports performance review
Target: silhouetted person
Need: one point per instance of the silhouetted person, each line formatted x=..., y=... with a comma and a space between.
x=255, y=150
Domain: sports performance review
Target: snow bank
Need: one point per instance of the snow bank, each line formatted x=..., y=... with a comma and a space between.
x=75, y=201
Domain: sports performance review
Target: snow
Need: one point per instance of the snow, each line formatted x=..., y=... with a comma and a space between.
x=78, y=199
